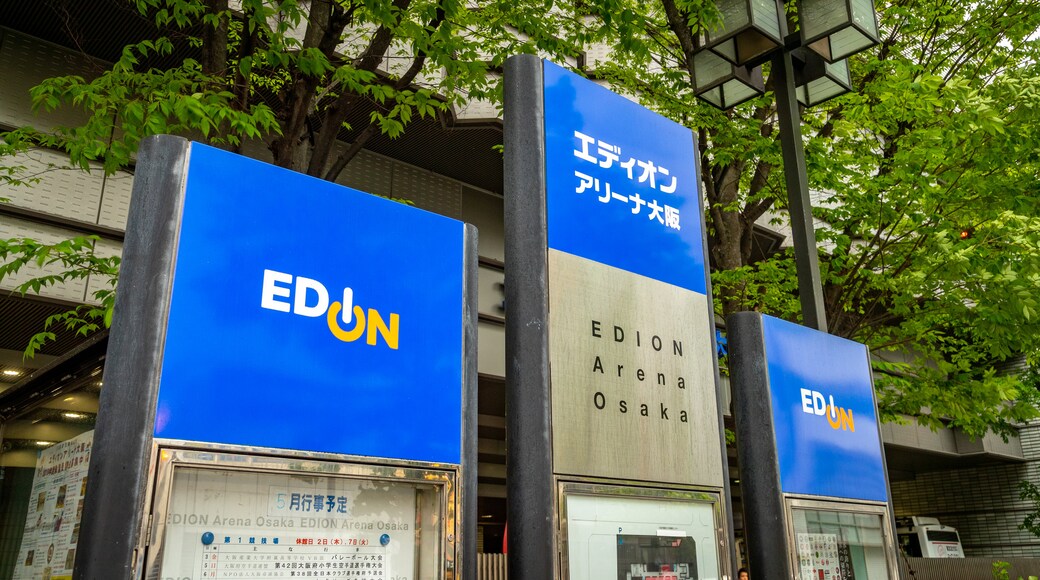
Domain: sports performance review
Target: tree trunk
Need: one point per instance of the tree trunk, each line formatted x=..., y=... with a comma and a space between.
x=287, y=148
x=215, y=39
x=337, y=113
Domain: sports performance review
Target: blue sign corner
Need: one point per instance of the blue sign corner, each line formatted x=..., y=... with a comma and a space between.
x=824, y=413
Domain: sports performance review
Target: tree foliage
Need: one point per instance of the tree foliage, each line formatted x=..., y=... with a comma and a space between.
x=73, y=259
x=291, y=74
x=288, y=75
x=927, y=203
x=927, y=172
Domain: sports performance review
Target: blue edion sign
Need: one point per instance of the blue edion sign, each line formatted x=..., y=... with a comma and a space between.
x=622, y=183
x=306, y=315
x=824, y=413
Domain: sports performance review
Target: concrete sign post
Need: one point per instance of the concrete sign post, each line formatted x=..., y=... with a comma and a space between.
x=617, y=462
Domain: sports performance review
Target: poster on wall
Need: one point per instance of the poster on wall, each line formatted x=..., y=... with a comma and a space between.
x=649, y=557
x=52, y=523
x=823, y=557
x=640, y=539
x=234, y=524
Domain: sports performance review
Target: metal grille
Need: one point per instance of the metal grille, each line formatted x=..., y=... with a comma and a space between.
x=428, y=190
x=964, y=568
x=369, y=173
x=491, y=567
x=61, y=189
x=24, y=63
x=21, y=318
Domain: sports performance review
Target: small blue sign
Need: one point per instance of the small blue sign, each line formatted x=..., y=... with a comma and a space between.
x=622, y=184
x=306, y=315
x=824, y=413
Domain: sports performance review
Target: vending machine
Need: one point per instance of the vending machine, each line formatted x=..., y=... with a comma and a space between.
x=290, y=383
x=813, y=475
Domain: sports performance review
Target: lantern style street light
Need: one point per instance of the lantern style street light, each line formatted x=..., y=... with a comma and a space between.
x=723, y=83
x=750, y=29
x=807, y=67
x=836, y=29
x=817, y=80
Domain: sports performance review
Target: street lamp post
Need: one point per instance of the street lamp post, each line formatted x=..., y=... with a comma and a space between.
x=810, y=287
x=808, y=67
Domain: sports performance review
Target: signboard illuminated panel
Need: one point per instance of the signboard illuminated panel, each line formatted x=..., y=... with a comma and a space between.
x=632, y=374
x=309, y=316
x=825, y=419
x=622, y=183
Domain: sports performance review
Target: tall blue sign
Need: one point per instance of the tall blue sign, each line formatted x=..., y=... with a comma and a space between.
x=610, y=334
x=260, y=313
x=625, y=246
x=623, y=186
x=822, y=395
x=805, y=414
x=309, y=316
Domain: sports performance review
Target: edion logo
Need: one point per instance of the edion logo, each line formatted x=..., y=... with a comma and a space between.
x=814, y=403
x=310, y=298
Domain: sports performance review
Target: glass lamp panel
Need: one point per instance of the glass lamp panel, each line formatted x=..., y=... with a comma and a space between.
x=736, y=14
x=864, y=16
x=766, y=16
x=739, y=86
x=750, y=30
x=835, y=29
x=709, y=70
x=727, y=49
x=736, y=92
x=819, y=18
x=745, y=47
x=723, y=84
x=714, y=97
x=834, y=82
x=848, y=42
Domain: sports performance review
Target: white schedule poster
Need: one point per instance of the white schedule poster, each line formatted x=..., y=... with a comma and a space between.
x=818, y=557
x=640, y=538
x=48, y=549
x=244, y=524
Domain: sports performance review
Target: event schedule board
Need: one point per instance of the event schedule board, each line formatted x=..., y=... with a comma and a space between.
x=52, y=524
x=222, y=523
x=302, y=560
